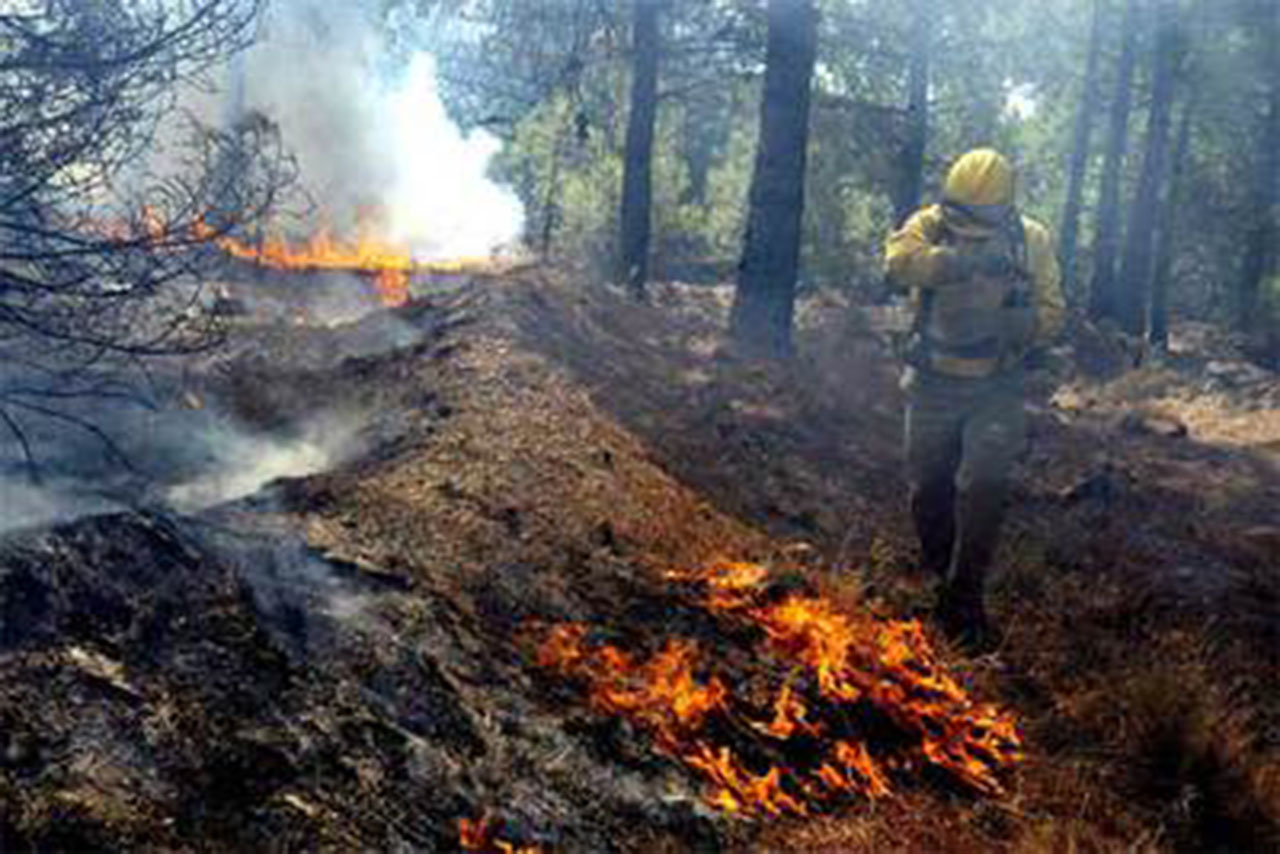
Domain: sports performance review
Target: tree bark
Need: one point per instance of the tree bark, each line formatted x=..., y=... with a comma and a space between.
x=637, y=180
x=706, y=129
x=1167, y=235
x=764, y=303
x=1078, y=166
x=1137, y=264
x=551, y=214
x=911, y=158
x=1264, y=230
x=1102, y=296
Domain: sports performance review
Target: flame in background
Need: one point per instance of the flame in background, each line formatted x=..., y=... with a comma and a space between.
x=863, y=700
x=391, y=266
x=482, y=837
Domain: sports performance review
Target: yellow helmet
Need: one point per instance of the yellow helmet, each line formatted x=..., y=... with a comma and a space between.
x=979, y=179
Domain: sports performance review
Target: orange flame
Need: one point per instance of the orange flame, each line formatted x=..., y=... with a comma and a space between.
x=390, y=265
x=842, y=665
x=739, y=789
x=788, y=716
x=662, y=694
x=481, y=837
x=322, y=252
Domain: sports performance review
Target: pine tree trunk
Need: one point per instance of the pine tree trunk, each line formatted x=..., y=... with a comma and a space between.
x=1079, y=163
x=699, y=154
x=1167, y=236
x=637, y=179
x=1102, y=296
x=550, y=214
x=1264, y=230
x=706, y=129
x=1137, y=264
x=764, y=303
x=911, y=158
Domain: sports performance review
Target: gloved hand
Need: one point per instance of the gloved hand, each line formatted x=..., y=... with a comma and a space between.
x=992, y=257
x=953, y=264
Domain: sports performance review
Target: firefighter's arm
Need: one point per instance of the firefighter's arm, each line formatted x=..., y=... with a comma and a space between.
x=913, y=258
x=1046, y=283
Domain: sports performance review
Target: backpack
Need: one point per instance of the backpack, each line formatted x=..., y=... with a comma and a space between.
x=990, y=321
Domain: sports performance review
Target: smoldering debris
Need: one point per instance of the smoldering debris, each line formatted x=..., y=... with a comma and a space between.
x=310, y=604
x=24, y=504
x=206, y=683
x=241, y=463
x=317, y=299
x=341, y=307
x=219, y=719
x=277, y=402
x=182, y=459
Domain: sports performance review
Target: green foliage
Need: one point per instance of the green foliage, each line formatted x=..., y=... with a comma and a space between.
x=552, y=79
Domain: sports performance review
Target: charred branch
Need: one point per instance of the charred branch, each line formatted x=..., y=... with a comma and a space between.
x=102, y=260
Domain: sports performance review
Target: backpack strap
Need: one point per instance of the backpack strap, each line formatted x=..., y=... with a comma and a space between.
x=1016, y=232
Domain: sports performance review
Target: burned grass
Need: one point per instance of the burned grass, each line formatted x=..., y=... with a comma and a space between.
x=826, y=705
x=1136, y=563
x=350, y=660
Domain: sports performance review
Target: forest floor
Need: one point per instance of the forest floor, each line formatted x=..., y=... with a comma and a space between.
x=349, y=658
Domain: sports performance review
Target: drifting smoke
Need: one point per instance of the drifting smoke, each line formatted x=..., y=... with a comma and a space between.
x=27, y=505
x=238, y=464
x=189, y=460
x=375, y=148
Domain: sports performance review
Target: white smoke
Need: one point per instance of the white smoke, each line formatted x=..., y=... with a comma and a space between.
x=24, y=504
x=187, y=460
x=442, y=203
x=372, y=138
x=238, y=464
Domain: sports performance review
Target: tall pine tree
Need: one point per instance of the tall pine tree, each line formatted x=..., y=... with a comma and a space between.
x=637, y=178
x=1103, y=301
x=764, y=304
x=1137, y=263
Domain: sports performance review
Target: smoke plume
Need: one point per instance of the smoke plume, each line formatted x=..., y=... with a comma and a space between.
x=375, y=148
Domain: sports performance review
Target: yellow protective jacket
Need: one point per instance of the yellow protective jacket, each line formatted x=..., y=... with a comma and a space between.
x=913, y=262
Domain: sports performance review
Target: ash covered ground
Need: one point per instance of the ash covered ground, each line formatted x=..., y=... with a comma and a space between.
x=319, y=632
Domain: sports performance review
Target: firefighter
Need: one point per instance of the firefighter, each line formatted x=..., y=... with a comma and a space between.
x=985, y=289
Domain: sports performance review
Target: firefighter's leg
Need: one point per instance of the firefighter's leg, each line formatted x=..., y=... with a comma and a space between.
x=933, y=446
x=993, y=436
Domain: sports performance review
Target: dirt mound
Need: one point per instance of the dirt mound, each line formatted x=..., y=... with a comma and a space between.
x=337, y=663
x=160, y=694
x=808, y=450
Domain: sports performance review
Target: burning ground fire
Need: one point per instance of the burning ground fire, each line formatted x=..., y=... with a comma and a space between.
x=482, y=836
x=391, y=266
x=863, y=703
